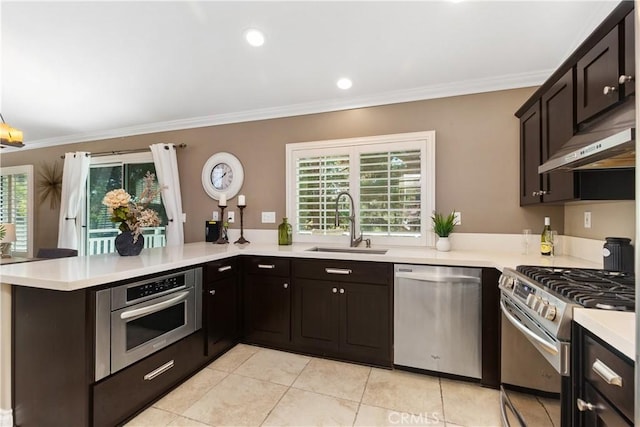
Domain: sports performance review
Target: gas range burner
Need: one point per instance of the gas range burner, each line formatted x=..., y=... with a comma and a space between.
x=591, y=288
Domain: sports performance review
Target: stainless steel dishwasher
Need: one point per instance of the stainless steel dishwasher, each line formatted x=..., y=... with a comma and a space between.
x=437, y=319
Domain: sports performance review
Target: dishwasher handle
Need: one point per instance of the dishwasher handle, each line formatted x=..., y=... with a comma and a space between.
x=435, y=278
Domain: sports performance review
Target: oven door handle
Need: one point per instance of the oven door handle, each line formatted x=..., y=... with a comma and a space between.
x=547, y=346
x=153, y=308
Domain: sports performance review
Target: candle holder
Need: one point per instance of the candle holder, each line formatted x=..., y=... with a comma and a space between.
x=222, y=239
x=241, y=239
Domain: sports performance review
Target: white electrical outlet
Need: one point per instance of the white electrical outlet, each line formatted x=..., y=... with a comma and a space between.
x=268, y=217
x=457, y=218
x=587, y=220
x=214, y=215
x=231, y=217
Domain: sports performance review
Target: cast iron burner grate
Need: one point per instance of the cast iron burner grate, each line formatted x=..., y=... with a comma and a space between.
x=591, y=288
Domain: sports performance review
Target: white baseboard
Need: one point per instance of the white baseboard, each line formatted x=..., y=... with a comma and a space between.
x=6, y=418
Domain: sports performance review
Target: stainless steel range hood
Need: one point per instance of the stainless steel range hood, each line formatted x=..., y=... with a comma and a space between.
x=608, y=143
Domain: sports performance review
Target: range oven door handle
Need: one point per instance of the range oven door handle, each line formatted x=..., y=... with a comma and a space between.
x=155, y=307
x=547, y=346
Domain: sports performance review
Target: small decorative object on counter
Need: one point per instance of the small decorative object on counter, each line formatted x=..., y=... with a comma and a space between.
x=443, y=226
x=132, y=214
x=546, y=238
x=242, y=204
x=285, y=233
x=618, y=254
x=222, y=204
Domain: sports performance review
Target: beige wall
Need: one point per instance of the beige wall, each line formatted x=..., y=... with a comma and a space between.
x=608, y=219
x=477, y=154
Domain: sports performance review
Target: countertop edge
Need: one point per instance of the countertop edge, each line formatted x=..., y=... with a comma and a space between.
x=616, y=328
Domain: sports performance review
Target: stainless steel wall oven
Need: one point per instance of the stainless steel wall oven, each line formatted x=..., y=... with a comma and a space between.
x=137, y=319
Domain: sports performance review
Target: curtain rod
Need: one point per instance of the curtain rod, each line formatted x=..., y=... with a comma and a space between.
x=134, y=150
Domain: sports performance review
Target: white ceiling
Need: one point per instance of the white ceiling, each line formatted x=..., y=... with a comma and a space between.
x=78, y=71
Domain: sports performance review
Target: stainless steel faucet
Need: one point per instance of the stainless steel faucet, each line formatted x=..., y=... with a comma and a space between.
x=354, y=241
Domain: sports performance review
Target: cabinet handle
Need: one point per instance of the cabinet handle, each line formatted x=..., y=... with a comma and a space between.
x=608, y=90
x=341, y=291
x=212, y=291
x=606, y=373
x=159, y=371
x=535, y=193
x=625, y=79
x=267, y=266
x=584, y=406
x=225, y=268
x=334, y=290
x=338, y=270
x=286, y=285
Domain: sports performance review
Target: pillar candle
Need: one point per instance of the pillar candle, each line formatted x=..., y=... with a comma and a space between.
x=223, y=200
x=241, y=200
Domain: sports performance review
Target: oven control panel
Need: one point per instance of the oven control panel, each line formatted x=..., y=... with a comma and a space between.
x=157, y=287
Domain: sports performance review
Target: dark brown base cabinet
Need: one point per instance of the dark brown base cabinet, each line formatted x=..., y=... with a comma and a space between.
x=220, y=306
x=603, y=382
x=347, y=313
x=267, y=301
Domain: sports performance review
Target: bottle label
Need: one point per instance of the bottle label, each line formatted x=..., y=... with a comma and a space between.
x=545, y=248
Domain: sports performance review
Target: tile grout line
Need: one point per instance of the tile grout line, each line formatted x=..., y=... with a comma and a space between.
x=364, y=389
x=289, y=387
x=444, y=418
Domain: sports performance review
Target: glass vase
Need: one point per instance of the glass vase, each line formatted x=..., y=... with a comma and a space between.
x=285, y=233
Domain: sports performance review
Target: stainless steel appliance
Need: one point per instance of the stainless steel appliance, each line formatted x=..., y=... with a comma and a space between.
x=437, y=319
x=137, y=319
x=539, y=303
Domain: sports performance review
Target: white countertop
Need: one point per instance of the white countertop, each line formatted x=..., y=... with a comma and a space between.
x=68, y=274
x=616, y=328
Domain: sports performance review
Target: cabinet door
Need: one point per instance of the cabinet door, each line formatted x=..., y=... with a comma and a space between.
x=596, y=70
x=365, y=326
x=629, y=54
x=602, y=414
x=267, y=309
x=557, y=128
x=530, y=156
x=221, y=302
x=316, y=315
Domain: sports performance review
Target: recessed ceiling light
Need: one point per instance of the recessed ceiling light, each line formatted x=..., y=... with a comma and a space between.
x=254, y=37
x=344, y=83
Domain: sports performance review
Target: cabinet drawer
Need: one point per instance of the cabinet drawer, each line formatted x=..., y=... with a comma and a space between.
x=603, y=414
x=267, y=266
x=121, y=395
x=601, y=362
x=221, y=269
x=344, y=271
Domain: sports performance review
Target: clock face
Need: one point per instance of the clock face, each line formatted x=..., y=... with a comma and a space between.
x=221, y=176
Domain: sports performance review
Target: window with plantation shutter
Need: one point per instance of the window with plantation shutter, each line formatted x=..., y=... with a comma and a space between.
x=391, y=179
x=16, y=206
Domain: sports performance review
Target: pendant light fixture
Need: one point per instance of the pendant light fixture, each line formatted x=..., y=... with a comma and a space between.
x=10, y=136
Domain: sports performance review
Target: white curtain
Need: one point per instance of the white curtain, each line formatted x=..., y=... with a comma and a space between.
x=166, y=162
x=74, y=180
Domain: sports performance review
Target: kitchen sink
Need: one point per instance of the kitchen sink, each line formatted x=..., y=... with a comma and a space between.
x=349, y=250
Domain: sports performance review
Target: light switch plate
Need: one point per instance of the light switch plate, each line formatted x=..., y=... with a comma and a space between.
x=268, y=217
x=587, y=220
x=457, y=218
x=214, y=215
x=231, y=217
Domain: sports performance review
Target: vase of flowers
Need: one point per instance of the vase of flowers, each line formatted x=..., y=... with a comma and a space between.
x=443, y=226
x=133, y=215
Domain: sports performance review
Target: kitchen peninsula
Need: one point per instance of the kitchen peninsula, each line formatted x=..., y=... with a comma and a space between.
x=70, y=283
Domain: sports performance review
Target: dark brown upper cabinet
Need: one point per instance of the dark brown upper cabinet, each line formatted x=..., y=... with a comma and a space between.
x=557, y=128
x=597, y=77
x=628, y=78
x=530, y=156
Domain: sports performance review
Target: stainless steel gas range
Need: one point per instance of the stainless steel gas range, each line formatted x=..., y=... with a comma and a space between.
x=539, y=302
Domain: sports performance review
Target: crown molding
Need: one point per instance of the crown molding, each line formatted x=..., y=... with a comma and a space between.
x=467, y=87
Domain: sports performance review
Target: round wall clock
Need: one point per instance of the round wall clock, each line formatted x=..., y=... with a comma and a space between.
x=222, y=174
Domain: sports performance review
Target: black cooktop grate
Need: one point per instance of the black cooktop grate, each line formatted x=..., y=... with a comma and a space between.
x=590, y=288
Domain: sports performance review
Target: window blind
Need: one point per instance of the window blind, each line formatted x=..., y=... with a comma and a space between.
x=319, y=179
x=13, y=207
x=390, y=193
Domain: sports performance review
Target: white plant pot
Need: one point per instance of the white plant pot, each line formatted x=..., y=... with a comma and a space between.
x=443, y=244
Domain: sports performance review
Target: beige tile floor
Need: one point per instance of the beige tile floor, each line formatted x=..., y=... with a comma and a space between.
x=253, y=386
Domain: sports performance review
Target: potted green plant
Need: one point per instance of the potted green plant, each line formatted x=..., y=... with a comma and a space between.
x=443, y=226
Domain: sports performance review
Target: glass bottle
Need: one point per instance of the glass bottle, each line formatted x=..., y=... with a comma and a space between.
x=285, y=232
x=546, y=239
